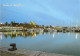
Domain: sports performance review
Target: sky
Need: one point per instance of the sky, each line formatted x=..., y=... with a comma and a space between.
x=42, y=12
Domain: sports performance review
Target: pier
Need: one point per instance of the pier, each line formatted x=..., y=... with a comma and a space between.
x=63, y=29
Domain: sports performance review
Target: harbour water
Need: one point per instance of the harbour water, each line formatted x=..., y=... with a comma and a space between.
x=52, y=42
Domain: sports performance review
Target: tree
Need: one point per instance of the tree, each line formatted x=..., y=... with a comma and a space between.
x=6, y=24
x=47, y=26
x=12, y=23
x=50, y=26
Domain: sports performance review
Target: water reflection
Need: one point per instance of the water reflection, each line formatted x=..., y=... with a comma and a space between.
x=55, y=42
x=34, y=34
x=0, y=36
x=76, y=35
x=17, y=34
x=54, y=34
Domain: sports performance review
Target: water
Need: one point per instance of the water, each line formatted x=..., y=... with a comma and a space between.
x=52, y=42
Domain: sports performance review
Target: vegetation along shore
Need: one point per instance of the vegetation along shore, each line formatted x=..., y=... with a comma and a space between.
x=32, y=26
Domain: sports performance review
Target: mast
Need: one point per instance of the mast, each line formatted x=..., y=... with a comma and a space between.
x=0, y=11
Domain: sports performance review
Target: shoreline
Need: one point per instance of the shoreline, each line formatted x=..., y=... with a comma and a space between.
x=22, y=52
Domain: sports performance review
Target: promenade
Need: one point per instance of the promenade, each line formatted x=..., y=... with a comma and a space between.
x=23, y=52
x=57, y=29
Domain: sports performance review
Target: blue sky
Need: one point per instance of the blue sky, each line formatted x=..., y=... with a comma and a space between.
x=47, y=12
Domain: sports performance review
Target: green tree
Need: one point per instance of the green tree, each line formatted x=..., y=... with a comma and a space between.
x=50, y=26
x=12, y=23
x=6, y=24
